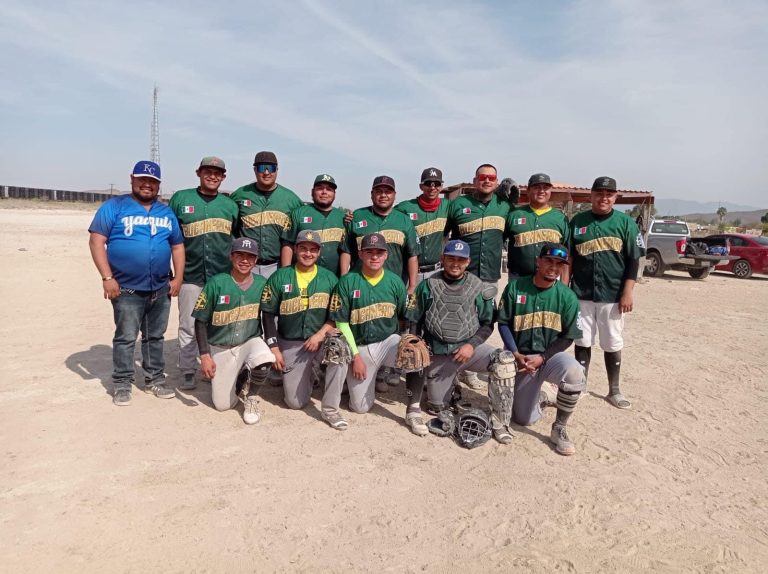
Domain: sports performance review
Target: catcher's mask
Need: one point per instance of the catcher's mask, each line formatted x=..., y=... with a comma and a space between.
x=473, y=428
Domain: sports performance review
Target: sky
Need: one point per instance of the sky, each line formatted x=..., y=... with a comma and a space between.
x=664, y=95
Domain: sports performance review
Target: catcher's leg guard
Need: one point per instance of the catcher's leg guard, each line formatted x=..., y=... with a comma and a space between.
x=500, y=398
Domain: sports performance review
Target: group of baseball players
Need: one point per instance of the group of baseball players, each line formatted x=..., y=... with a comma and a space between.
x=267, y=285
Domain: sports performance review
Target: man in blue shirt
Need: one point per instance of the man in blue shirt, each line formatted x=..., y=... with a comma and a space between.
x=133, y=239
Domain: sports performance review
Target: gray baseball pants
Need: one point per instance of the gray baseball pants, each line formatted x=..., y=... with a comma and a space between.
x=297, y=376
x=265, y=271
x=443, y=369
x=229, y=361
x=361, y=393
x=188, y=352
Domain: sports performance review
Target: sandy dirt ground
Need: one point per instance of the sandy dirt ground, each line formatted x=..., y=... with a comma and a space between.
x=677, y=484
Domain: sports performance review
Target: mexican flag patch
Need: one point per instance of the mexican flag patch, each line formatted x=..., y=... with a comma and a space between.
x=287, y=288
x=246, y=203
x=581, y=231
x=189, y=209
x=306, y=220
x=466, y=210
x=223, y=299
x=520, y=299
x=356, y=294
x=413, y=216
x=362, y=223
x=520, y=221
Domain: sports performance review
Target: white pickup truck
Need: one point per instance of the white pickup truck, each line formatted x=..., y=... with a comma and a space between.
x=669, y=246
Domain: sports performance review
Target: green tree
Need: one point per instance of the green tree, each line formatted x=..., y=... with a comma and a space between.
x=737, y=222
x=638, y=209
x=721, y=213
x=764, y=218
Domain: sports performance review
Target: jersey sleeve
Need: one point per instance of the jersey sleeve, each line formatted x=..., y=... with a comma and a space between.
x=634, y=246
x=203, y=310
x=271, y=295
x=412, y=247
x=288, y=235
x=571, y=317
x=505, y=305
x=486, y=309
x=417, y=303
x=401, y=298
x=177, y=236
x=349, y=245
x=565, y=229
x=338, y=309
x=104, y=219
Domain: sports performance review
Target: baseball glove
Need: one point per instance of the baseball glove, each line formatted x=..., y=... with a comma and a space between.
x=443, y=425
x=336, y=350
x=508, y=190
x=412, y=354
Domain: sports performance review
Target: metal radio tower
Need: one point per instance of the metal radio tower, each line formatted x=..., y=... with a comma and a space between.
x=154, y=138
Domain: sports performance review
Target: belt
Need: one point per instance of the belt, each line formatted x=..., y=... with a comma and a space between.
x=267, y=262
x=427, y=268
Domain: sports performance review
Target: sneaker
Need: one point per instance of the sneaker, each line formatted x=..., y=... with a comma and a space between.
x=251, y=410
x=503, y=435
x=336, y=421
x=159, y=390
x=382, y=386
x=472, y=381
x=122, y=398
x=559, y=437
x=189, y=383
x=548, y=395
x=416, y=424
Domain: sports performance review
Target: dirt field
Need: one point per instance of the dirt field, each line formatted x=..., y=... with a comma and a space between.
x=677, y=484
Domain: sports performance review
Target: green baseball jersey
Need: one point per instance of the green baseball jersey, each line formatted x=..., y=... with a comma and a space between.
x=536, y=316
x=233, y=315
x=396, y=228
x=600, y=247
x=420, y=302
x=300, y=313
x=207, y=224
x=527, y=232
x=330, y=226
x=263, y=216
x=430, y=227
x=373, y=312
x=481, y=225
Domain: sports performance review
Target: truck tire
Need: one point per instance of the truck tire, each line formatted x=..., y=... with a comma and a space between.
x=699, y=272
x=742, y=269
x=653, y=264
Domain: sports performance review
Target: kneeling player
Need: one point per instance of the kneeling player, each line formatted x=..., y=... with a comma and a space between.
x=367, y=307
x=228, y=332
x=454, y=311
x=297, y=298
x=538, y=321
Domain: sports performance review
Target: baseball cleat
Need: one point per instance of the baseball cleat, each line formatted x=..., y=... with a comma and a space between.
x=336, y=421
x=559, y=437
x=251, y=410
x=416, y=424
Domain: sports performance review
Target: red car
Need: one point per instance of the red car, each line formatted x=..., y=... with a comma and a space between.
x=751, y=250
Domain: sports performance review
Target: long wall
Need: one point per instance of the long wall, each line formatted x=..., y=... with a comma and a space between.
x=14, y=192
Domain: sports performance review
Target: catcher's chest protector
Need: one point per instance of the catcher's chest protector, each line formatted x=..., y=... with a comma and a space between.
x=452, y=317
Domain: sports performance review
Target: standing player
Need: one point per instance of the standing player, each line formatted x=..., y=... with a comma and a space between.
x=401, y=242
x=538, y=321
x=264, y=208
x=132, y=241
x=295, y=308
x=429, y=214
x=606, y=248
x=228, y=331
x=454, y=311
x=319, y=216
x=367, y=307
x=480, y=220
x=207, y=220
x=530, y=226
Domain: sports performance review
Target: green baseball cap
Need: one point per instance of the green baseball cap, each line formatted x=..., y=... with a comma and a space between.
x=325, y=178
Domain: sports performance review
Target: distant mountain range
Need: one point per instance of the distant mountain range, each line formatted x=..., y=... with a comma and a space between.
x=667, y=206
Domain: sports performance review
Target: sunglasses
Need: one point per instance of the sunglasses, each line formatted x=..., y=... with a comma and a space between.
x=432, y=184
x=556, y=252
x=266, y=167
x=486, y=177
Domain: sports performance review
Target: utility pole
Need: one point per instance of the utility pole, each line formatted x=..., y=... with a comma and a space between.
x=111, y=189
x=154, y=140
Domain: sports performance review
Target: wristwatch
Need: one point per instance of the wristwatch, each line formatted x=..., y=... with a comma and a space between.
x=107, y=278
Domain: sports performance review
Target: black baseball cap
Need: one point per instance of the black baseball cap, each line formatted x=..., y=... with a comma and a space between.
x=265, y=157
x=431, y=174
x=373, y=241
x=554, y=251
x=604, y=182
x=539, y=179
x=383, y=180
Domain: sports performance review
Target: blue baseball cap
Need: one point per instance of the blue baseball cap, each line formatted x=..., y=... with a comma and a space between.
x=457, y=248
x=146, y=169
